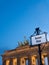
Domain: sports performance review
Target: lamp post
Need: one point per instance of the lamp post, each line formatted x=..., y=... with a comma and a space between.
x=37, y=39
x=37, y=31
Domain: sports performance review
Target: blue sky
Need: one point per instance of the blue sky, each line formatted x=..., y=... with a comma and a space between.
x=19, y=18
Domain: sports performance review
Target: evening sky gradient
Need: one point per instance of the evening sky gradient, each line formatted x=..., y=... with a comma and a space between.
x=19, y=18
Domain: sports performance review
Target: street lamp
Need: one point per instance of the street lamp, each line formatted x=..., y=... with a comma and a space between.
x=38, y=39
x=37, y=30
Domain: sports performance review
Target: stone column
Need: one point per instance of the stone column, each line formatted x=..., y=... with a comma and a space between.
x=18, y=61
x=29, y=60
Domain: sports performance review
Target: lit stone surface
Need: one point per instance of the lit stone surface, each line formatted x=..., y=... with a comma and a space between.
x=26, y=55
x=7, y=62
x=15, y=61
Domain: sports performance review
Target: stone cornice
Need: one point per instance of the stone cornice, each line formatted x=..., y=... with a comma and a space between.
x=23, y=49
